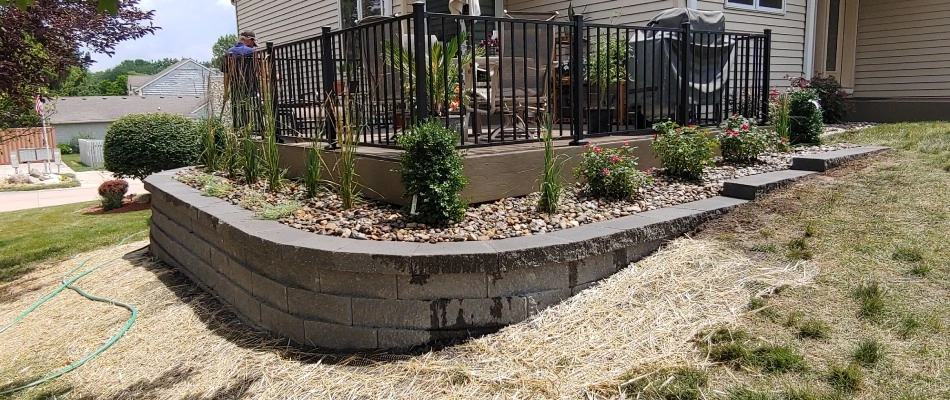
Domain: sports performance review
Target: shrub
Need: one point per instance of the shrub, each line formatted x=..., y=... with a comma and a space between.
x=552, y=183
x=65, y=148
x=139, y=145
x=431, y=171
x=683, y=152
x=270, y=161
x=212, y=133
x=611, y=173
x=112, y=193
x=314, y=169
x=250, y=164
x=74, y=142
x=834, y=104
x=805, y=124
x=742, y=141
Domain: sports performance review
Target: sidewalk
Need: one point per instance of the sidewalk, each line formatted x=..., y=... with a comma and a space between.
x=88, y=191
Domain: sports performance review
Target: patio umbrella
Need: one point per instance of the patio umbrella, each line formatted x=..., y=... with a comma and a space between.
x=455, y=7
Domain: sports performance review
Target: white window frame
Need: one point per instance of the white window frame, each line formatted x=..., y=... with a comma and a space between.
x=386, y=4
x=756, y=6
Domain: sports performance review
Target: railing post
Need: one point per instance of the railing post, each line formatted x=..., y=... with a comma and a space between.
x=577, y=80
x=272, y=87
x=685, y=68
x=766, y=71
x=327, y=76
x=420, y=52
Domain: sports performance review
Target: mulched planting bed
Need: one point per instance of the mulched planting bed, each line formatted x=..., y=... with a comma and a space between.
x=505, y=218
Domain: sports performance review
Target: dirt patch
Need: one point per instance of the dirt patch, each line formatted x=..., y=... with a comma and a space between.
x=127, y=206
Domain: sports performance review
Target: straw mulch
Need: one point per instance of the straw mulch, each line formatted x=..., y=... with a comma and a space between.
x=187, y=346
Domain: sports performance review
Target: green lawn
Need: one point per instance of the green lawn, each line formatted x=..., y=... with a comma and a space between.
x=874, y=324
x=72, y=161
x=55, y=233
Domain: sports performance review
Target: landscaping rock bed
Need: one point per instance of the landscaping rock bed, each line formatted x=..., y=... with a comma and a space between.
x=505, y=218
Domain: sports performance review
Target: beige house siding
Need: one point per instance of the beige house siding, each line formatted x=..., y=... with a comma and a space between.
x=903, y=49
x=281, y=21
x=633, y=12
x=788, y=34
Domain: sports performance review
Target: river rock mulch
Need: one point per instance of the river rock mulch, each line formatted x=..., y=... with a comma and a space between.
x=505, y=218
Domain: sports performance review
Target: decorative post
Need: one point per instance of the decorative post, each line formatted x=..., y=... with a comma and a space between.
x=327, y=75
x=272, y=87
x=420, y=52
x=685, y=67
x=766, y=79
x=577, y=80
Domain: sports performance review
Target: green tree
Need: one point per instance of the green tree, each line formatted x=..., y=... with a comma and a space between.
x=220, y=47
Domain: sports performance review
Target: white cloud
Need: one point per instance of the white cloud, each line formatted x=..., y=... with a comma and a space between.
x=189, y=29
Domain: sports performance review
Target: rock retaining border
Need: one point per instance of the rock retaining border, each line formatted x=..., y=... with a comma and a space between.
x=338, y=293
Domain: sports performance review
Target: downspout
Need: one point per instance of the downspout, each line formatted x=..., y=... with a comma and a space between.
x=811, y=14
x=691, y=4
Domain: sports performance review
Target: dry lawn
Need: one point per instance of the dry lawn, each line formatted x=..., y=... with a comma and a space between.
x=604, y=343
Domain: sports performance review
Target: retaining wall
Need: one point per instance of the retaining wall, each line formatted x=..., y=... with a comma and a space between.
x=353, y=294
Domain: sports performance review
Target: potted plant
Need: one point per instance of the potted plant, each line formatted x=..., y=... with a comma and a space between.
x=606, y=69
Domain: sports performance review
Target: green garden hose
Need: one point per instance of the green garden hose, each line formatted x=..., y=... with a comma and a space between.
x=68, y=283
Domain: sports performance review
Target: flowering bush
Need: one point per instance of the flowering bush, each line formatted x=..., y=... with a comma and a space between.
x=683, y=151
x=833, y=99
x=611, y=173
x=112, y=193
x=741, y=140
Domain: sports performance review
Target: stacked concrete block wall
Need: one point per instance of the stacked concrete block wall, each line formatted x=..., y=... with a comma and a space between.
x=341, y=293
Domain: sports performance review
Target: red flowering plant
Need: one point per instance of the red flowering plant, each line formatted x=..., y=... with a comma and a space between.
x=740, y=140
x=683, y=151
x=112, y=192
x=611, y=172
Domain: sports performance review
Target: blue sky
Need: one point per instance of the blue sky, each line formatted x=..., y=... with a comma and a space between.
x=189, y=29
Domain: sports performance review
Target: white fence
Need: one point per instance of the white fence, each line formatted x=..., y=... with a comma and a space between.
x=90, y=152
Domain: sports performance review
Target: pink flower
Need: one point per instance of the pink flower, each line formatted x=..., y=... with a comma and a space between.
x=605, y=171
x=614, y=159
x=649, y=170
x=596, y=149
x=586, y=145
x=773, y=93
x=784, y=140
x=625, y=144
x=679, y=130
x=735, y=134
x=745, y=127
x=692, y=126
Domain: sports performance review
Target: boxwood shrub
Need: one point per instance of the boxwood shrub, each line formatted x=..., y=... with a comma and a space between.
x=139, y=145
x=431, y=171
x=805, y=124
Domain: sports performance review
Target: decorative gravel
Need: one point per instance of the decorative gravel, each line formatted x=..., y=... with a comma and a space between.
x=505, y=218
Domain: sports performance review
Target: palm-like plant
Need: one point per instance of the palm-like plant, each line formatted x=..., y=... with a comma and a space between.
x=442, y=75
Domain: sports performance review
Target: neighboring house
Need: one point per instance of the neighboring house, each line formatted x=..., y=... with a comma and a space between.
x=184, y=78
x=892, y=55
x=94, y=115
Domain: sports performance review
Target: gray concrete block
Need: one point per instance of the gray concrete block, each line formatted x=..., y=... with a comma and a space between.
x=247, y=305
x=439, y=314
x=713, y=203
x=219, y=260
x=595, y=268
x=238, y=274
x=639, y=251
x=528, y=251
x=269, y=291
x=320, y=306
x=529, y=280
x=356, y=284
x=753, y=186
x=453, y=258
x=539, y=301
x=283, y=324
x=441, y=286
x=582, y=287
x=333, y=336
x=824, y=161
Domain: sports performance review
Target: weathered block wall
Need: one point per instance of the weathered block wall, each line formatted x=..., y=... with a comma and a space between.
x=351, y=294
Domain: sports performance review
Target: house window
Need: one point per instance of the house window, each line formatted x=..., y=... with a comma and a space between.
x=758, y=5
x=352, y=11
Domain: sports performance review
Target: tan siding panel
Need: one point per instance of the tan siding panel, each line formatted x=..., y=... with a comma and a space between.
x=903, y=49
x=282, y=21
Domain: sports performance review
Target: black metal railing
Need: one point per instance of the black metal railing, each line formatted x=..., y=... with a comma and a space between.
x=494, y=79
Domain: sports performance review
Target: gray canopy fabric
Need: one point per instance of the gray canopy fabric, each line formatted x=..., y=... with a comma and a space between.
x=654, y=64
